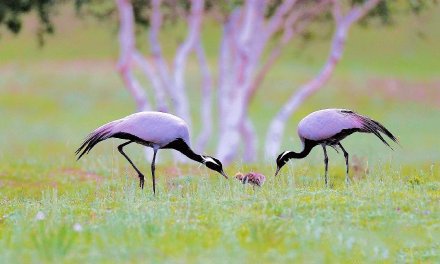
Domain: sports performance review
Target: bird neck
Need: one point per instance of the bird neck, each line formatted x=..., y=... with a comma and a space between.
x=181, y=146
x=308, y=145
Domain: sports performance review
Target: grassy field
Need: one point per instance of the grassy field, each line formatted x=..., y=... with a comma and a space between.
x=54, y=209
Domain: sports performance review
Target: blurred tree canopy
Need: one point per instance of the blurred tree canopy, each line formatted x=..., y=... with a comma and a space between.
x=12, y=11
x=174, y=9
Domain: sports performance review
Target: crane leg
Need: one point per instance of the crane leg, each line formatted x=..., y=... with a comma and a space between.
x=326, y=164
x=141, y=176
x=153, y=168
x=347, y=179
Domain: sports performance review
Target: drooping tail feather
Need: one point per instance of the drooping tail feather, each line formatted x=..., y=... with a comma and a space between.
x=98, y=135
x=371, y=126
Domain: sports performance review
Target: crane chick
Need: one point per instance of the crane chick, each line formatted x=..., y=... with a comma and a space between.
x=253, y=178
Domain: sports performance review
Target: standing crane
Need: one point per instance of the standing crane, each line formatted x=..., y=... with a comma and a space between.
x=151, y=129
x=328, y=127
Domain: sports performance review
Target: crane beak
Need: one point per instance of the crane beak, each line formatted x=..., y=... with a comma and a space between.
x=224, y=175
x=278, y=170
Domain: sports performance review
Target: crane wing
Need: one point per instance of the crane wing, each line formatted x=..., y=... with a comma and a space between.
x=328, y=123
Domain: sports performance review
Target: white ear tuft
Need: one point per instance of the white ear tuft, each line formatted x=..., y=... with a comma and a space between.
x=209, y=159
x=284, y=153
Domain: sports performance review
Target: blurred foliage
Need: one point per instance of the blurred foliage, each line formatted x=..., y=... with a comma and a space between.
x=171, y=10
x=12, y=11
x=386, y=9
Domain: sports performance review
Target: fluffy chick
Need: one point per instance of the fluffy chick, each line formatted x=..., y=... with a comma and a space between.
x=253, y=178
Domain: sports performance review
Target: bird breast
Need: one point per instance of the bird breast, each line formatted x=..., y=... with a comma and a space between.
x=155, y=127
x=324, y=124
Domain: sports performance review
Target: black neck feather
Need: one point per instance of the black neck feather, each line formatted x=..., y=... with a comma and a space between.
x=308, y=146
x=181, y=146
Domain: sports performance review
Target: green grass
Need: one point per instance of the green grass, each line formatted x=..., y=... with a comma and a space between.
x=51, y=98
x=388, y=216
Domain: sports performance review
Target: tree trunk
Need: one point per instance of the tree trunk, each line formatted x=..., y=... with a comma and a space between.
x=250, y=139
x=206, y=101
x=157, y=58
x=127, y=48
x=244, y=61
x=194, y=26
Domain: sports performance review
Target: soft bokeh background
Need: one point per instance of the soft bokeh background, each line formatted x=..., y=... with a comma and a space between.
x=52, y=96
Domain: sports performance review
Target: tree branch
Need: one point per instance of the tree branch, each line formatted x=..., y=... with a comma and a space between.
x=226, y=70
x=127, y=47
x=153, y=76
x=156, y=50
x=253, y=16
x=194, y=28
x=289, y=32
x=249, y=136
x=275, y=22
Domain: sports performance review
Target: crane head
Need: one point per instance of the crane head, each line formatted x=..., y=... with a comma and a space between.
x=214, y=164
x=282, y=159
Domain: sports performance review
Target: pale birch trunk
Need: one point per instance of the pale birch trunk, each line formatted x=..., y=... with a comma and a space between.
x=250, y=139
x=227, y=68
x=343, y=24
x=231, y=131
x=206, y=103
x=158, y=60
x=128, y=53
x=127, y=48
x=194, y=28
x=242, y=57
